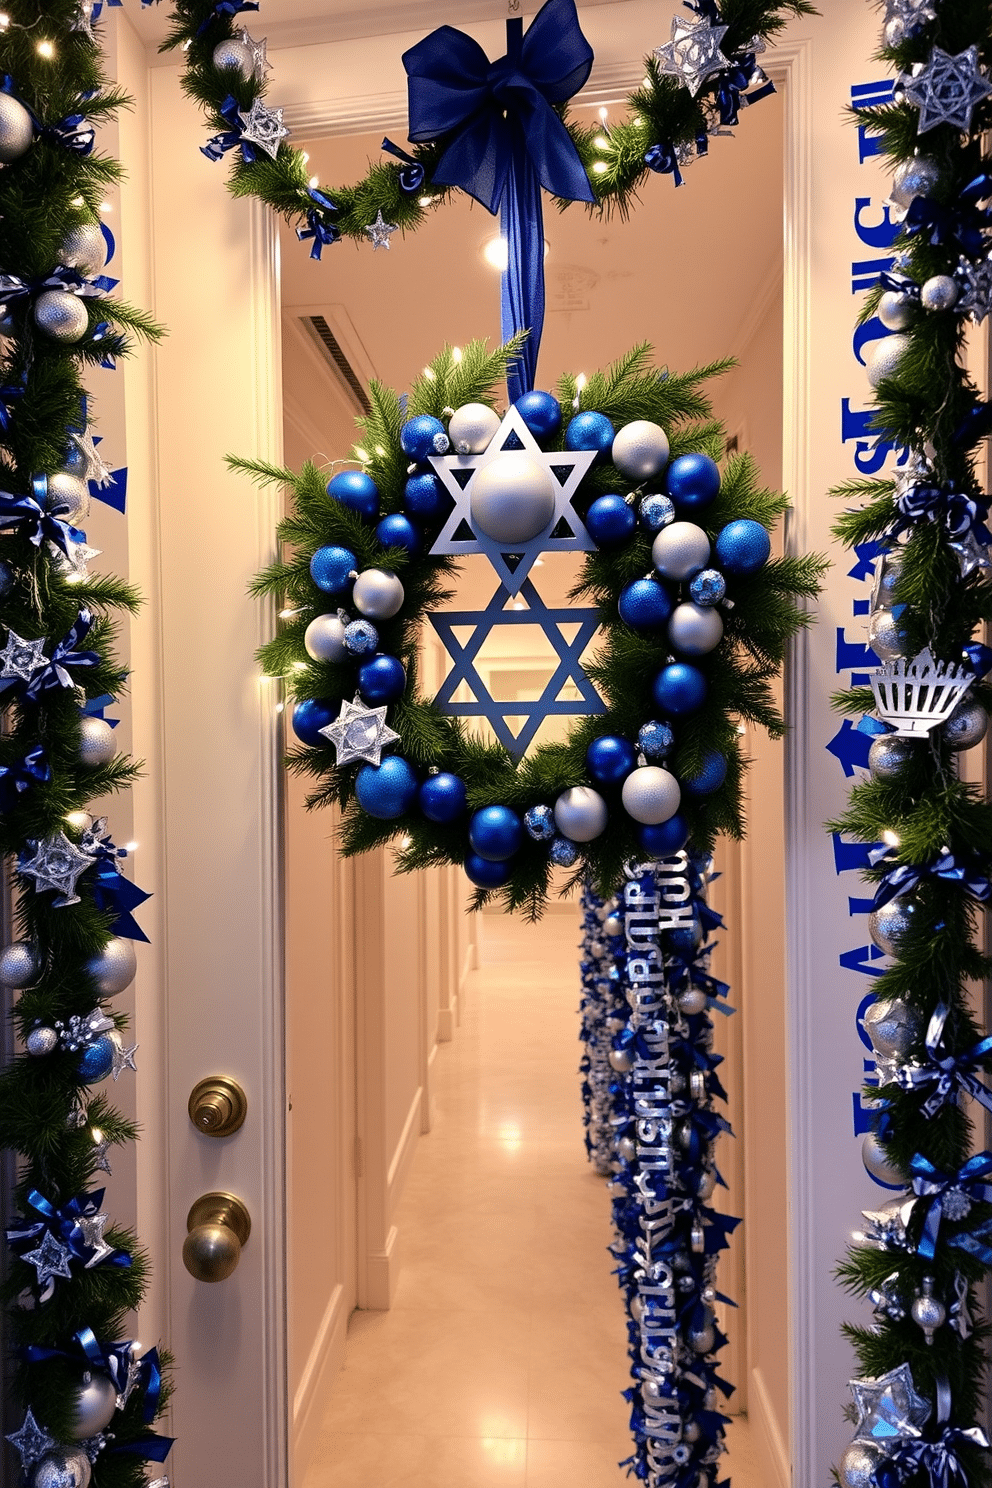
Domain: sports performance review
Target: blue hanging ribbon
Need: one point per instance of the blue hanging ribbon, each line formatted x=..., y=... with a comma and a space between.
x=9, y=394
x=24, y=1232
x=324, y=233
x=228, y=8
x=733, y=82
x=900, y=284
x=976, y=1242
x=411, y=172
x=664, y=161
x=230, y=110
x=930, y=1184
x=504, y=140
x=32, y=769
x=117, y=895
x=904, y=877
x=938, y=1459
x=14, y=288
x=72, y=133
x=38, y=524
x=947, y=1073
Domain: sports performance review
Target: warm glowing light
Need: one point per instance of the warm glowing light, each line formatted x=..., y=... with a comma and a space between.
x=601, y=142
x=604, y=114
x=106, y=206
x=306, y=156
x=74, y=578
x=361, y=454
x=405, y=843
x=79, y=820
x=496, y=253
x=600, y=167
x=456, y=354
x=424, y=201
x=581, y=381
x=280, y=707
x=510, y=1137
x=299, y=666
x=130, y=847
x=288, y=614
x=4, y=21
x=313, y=181
x=380, y=452
x=97, y=1135
x=77, y=201
x=890, y=838
x=429, y=374
x=45, y=49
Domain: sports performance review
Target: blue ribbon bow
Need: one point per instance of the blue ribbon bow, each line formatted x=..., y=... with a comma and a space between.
x=65, y=654
x=230, y=110
x=25, y=1231
x=14, y=288
x=27, y=512
x=117, y=1360
x=228, y=8
x=72, y=133
x=965, y=1187
x=411, y=172
x=947, y=1073
x=957, y=512
x=504, y=140
x=664, y=161
x=904, y=877
x=32, y=769
x=324, y=233
x=734, y=81
x=939, y=1459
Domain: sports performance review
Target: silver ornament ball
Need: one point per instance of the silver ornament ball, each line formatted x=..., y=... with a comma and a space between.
x=692, y=1001
x=324, y=638
x=84, y=248
x=61, y=315
x=471, y=428
x=896, y=311
x=888, y=756
x=884, y=357
x=886, y=636
x=378, y=594
x=913, y=178
x=680, y=550
x=621, y=1060
x=626, y=1149
x=232, y=55
x=115, y=967
x=691, y=1432
x=967, y=725
x=894, y=31
x=613, y=925
x=640, y=450
x=651, y=795
x=695, y=629
x=927, y=1311
x=67, y=496
x=20, y=964
x=41, y=1042
x=512, y=498
x=706, y=1184
x=96, y=742
x=939, y=293
x=96, y=1402
x=887, y=576
x=858, y=1464
x=16, y=129
x=893, y=1026
x=876, y=1161
x=701, y=1340
x=888, y=926
x=636, y=1307
x=580, y=814
x=64, y=1467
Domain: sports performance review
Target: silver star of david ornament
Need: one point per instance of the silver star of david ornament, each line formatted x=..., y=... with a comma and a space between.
x=693, y=54
x=32, y=1441
x=21, y=659
x=380, y=231
x=947, y=89
x=263, y=127
x=57, y=864
x=359, y=733
x=886, y=1405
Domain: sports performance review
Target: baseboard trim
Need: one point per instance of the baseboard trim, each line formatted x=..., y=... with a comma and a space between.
x=447, y=1021
x=326, y=1358
x=767, y=1437
x=382, y=1274
x=403, y=1155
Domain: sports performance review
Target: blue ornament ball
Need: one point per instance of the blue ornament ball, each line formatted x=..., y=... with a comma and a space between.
x=655, y=740
x=610, y=520
x=422, y=436
x=424, y=495
x=656, y=512
x=679, y=688
x=563, y=854
x=397, y=531
x=645, y=605
x=357, y=491
x=495, y=833
x=442, y=797
x=6, y=577
x=684, y=939
x=591, y=431
x=742, y=547
x=710, y=777
x=707, y=588
x=541, y=412
x=96, y=1061
x=331, y=569
x=381, y=680
x=660, y=840
x=692, y=481
x=310, y=716
x=486, y=874
x=361, y=638
x=540, y=823
x=387, y=790
x=610, y=759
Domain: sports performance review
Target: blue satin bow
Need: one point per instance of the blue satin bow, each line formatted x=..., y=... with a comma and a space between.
x=956, y=511
x=964, y=223
x=32, y=769
x=734, y=81
x=230, y=110
x=504, y=140
x=323, y=232
x=930, y=1184
x=938, y=1459
x=72, y=133
x=116, y=1360
x=228, y=8
x=24, y=1232
x=901, y=879
x=664, y=161
x=948, y=1072
x=54, y=674
x=13, y=287
x=26, y=512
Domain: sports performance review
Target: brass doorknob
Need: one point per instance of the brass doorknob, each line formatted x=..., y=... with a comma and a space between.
x=218, y=1225
x=217, y=1106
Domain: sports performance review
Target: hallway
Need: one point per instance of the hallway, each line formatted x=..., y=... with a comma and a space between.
x=502, y=1359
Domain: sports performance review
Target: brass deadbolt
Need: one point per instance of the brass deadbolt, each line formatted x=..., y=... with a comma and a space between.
x=217, y=1106
x=218, y=1225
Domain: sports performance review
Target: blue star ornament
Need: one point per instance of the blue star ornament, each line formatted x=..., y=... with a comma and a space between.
x=569, y=668
x=947, y=89
x=562, y=532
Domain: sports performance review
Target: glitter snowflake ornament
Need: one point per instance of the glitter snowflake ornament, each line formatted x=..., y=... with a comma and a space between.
x=693, y=54
x=948, y=89
x=380, y=231
x=50, y=1259
x=359, y=733
x=263, y=127
x=974, y=281
x=57, y=864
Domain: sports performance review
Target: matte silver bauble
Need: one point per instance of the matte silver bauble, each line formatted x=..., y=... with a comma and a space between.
x=913, y=178
x=64, y=1467
x=61, y=315
x=324, y=638
x=232, y=55
x=894, y=31
x=876, y=1161
x=928, y=1312
x=96, y=1402
x=888, y=756
x=893, y=1026
x=896, y=311
x=378, y=594
x=691, y=1432
x=97, y=745
x=471, y=428
x=706, y=1184
x=115, y=967
x=702, y=1340
x=651, y=795
x=886, y=636
x=640, y=450
x=41, y=1042
x=858, y=1464
x=626, y=1149
x=84, y=248
x=513, y=498
x=621, y=1060
x=20, y=964
x=967, y=725
x=887, y=575
x=695, y=629
x=613, y=925
x=939, y=293
x=888, y=926
x=67, y=496
x=884, y=357
x=636, y=1307
x=580, y=814
x=680, y=550
x=692, y=1001
x=16, y=128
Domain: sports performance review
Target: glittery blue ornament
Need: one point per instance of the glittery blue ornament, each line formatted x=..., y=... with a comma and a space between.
x=541, y=412
x=361, y=637
x=610, y=520
x=357, y=491
x=381, y=680
x=710, y=777
x=424, y=496
x=96, y=1060
x=742, y=547
x=486, y=874
x=645, y=604
x=656, y=512
x=331, y=567
x=655, y=740
x=540, y=823
x=422, y=436
x=692, y=1145
x=563, y=854
x=310, y=716
x=397, y=531
x=679, y=688
x=591, y=431
x=708, y=587
x=495, y=833
x=692, y=481
x=388, y=790
x=442, y=797
x=610, y=759
x=664, y=838
x=6, y=577
x=684, y=938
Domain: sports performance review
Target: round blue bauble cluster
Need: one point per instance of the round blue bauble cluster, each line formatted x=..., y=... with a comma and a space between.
x=423, y=435
x=331, y=569
x=692, y=481
x=424, y=495
x=610, y=520
x=381, y=680
x=645, y=604
x=743, y=546
x=310, y=716
x=443, y=797
x=496, y=833
x=388, y=790
x=485, y=873
x=610, y=759
x=541, y=412
x=679, y=688
x=357, y=491
x=591, y=431
x=397, y=531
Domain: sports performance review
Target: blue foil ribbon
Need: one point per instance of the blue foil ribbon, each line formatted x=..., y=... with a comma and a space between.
x=63, y=1223
x=663, y=160
x=115, y=1360
x=947, y=1073
x=504, y=140
x=963, y=224
x=411, y=172
x=32, y=769
x=929, y=1184
x=230, y=139
x=117, y=895
x=322, y=232
x=733, y=82
x=938, y=1459
x=957, y=512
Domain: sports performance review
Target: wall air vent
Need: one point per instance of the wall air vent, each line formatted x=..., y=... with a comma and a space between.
x=332, y=349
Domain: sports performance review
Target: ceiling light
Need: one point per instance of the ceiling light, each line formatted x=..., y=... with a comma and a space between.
x=495, y=252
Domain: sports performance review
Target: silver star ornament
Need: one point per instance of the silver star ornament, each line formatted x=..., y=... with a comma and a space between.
x=886, y=1405
x=91, y=1227
x=380, y=231
x=975, y=284
x=50, y=1259
x=947, y=89
x=263, y=127
x=57, y=864
x=123, y=1058
x=101, y=1147
x=32, y=1441
x=359, y=733
x=73, y=564
x=259, y=59
x=95, y=470
x=21, y=658
x=693, y=54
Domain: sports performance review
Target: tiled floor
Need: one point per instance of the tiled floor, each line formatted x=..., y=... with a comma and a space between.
x=501, y=1362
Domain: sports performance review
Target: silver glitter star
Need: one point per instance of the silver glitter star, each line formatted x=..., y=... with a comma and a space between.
x=947, y=90
x=101, y=1147
x=123, y=1058
x=380, y=231
x=263, y=127
x=693, y=54
x=975, y=284
x=57, y=864
x=73, y=563
x=50, y=1259
x=21, y=658
x=359, y=733
x=971, y=554
x=259, y=60
x=887, y=1404
x=886, y=1227
x=95, y=468
x=91, y=1227
x=32, y=1441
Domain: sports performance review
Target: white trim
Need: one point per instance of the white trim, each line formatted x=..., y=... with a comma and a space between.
x=382, y=1269
x=326, y=1358
x=402, y=1157
x=766, y=1434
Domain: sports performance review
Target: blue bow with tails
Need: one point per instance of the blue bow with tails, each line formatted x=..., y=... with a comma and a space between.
x=949, y=1195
